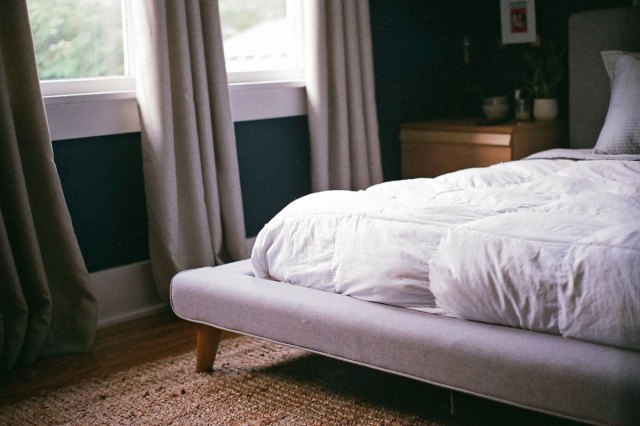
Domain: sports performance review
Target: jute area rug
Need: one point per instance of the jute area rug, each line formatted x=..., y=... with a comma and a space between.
x=254, y=383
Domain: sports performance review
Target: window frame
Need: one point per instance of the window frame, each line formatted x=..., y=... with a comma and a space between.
x=83, y=86
x=100, y=85
x=87, y=107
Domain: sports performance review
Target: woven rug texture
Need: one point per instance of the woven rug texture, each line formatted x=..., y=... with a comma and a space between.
x=254, y=383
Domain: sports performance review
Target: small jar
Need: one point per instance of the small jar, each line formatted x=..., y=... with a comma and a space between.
x=522, y=109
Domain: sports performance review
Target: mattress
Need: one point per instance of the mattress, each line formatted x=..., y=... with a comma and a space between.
x=550, y=244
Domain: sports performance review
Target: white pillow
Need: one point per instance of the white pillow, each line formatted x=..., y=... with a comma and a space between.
x=621, y=131
x=610, y=58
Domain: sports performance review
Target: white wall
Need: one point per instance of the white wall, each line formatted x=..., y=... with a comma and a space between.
x=128, y=292
x=125, y=293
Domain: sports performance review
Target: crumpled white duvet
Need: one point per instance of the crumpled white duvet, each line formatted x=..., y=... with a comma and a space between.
x=545, y=245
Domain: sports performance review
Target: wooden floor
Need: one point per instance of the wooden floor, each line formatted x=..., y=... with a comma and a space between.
x=116, y=348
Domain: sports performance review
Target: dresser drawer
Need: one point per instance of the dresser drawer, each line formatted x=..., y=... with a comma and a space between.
x=438, y=158
x=435, y=136
x=429, y=149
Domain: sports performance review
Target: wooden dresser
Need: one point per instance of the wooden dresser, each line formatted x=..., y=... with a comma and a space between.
x=432, y=148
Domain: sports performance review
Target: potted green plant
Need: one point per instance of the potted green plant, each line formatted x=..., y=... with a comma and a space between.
x=548, y=63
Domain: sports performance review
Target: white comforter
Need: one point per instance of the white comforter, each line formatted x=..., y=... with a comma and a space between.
x=545, y=245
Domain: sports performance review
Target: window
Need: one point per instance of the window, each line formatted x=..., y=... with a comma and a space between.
x=263, y=39
x=83, y=54
x=78, y=42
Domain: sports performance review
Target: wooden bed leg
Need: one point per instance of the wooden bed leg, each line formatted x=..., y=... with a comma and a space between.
x=207, y=342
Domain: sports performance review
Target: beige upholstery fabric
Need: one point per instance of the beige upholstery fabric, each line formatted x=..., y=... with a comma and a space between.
x=45, y=302
x=345, y=147
x=189, y=150
x=549, y=373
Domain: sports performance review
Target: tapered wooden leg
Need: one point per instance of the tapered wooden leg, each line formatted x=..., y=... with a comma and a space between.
x=207, y=342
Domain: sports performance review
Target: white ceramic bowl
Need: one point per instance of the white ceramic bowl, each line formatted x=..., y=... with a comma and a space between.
x=496, y=100
x=496, y=112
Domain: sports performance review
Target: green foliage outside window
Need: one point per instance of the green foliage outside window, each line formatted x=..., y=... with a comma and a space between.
x=239, y=15
x=84, y=38
x=77, y=38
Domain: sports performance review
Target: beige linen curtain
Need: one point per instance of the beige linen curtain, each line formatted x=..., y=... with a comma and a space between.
x=45, y=303
x=345, y=147
x=191, y=173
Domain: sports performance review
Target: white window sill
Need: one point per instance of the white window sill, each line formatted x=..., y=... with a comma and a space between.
x=94, y=114
x=260, y=101
x=99, y=114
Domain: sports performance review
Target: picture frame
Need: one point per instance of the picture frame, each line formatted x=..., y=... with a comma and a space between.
x=518, y=21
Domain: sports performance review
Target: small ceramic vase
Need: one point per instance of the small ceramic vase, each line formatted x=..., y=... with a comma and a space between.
x=545, y=109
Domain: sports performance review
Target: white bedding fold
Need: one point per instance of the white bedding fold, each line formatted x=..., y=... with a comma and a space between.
x=540, y=244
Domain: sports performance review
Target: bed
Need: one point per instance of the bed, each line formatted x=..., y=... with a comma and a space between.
x=414, y=319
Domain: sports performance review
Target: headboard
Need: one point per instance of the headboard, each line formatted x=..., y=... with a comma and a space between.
x=590, y=33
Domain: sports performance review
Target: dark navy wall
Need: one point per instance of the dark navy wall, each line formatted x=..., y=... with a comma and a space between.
x=104, y=189
x=274, y=167
x=418, y=58
x=410, y=41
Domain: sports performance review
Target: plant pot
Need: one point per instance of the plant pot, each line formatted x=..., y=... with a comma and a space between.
x=545, y=109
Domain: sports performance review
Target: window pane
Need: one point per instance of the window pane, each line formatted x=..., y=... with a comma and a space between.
x=259, y=35
x=77, y=38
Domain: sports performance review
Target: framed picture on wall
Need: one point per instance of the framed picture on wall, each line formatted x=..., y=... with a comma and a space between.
x=518, y=18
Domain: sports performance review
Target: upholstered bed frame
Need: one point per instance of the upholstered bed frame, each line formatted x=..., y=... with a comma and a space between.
x=565, y=377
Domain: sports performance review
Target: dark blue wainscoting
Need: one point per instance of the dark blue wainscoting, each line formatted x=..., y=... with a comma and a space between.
x=103, y=185
x=104, y=188
x=274, y=166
